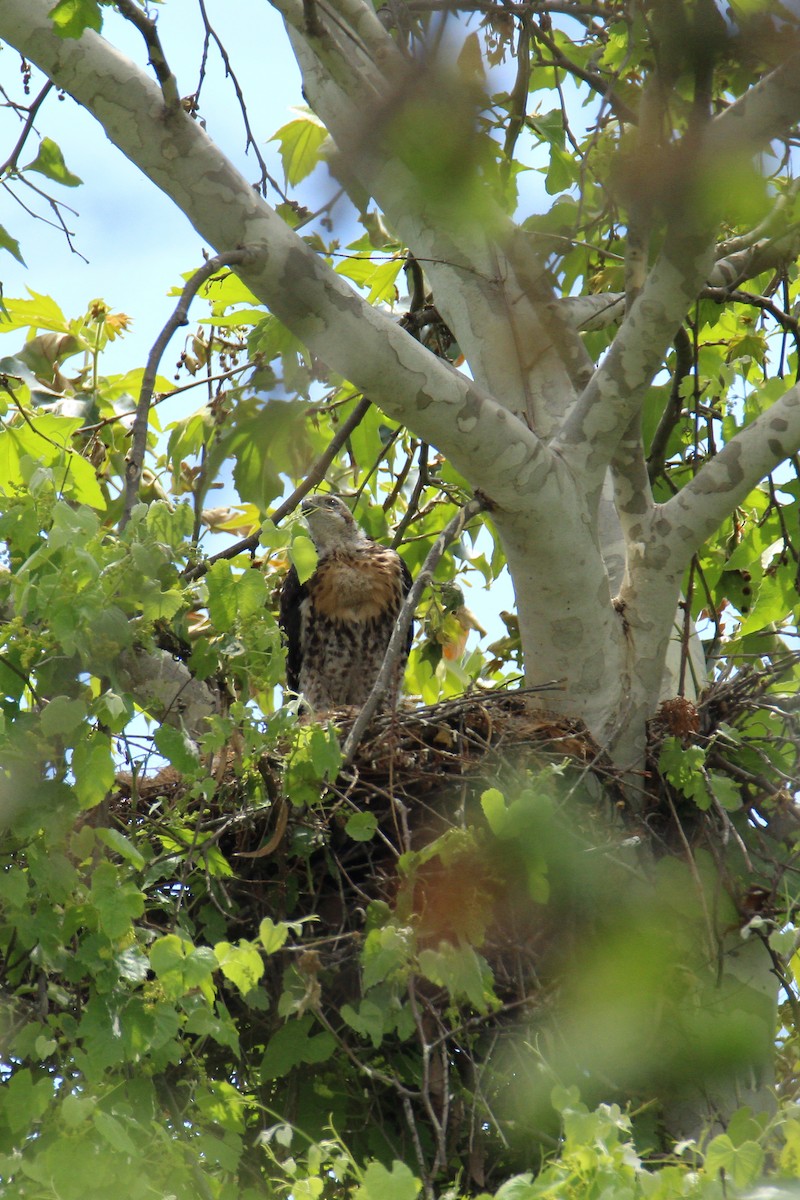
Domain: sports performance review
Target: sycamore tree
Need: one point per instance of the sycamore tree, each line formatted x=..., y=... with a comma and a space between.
x=247, y=954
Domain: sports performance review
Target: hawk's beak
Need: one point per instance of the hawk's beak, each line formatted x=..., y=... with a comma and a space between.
x=308, y=505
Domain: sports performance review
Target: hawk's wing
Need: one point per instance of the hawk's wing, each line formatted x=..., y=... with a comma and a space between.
x=289, y=617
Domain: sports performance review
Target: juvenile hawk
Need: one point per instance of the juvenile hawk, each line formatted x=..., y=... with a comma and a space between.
x=339, y=622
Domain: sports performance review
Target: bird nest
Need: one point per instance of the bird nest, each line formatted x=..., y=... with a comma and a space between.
x=415, y=782
x=409, y=839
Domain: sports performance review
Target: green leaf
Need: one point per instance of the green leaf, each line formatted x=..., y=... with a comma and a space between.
x=7, y=242
x=742, y=1163
x=177, y=746
x=113, y=1132
x=303, y=554
x=369, y=1020
x=361, y=826
x=299, y=145
x=493, y=803
x=81, y=484
x=50, y=162
x=561, y=173
x=386, y=954
x=110, y=708
x=379, y=1184
x=294, y=1044
x=462, y=971
x=326, y=757
x=272, y=936
x=40, y=312
x=121, y=845
x=62, y=716
x=71, y=17
x=221, y=602
x=25, y=1101
x=726, y=791
x=242, y=964
x=167, y=954
x=683, y=767
x=117, y=901
x=93, y=768
x=379, y=277
x=251, y=594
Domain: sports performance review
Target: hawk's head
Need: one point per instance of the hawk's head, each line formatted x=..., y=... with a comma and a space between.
x=331, y=523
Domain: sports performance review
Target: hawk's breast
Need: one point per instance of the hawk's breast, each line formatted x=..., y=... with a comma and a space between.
x=357, y=586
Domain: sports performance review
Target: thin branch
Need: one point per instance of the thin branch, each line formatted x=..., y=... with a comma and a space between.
x=767, y=110
x=250, y=141
x=413, y=503
x=724, y=481
x=724, y=295
x=314, y=476
x=135, y=459
x=55, y=205
x=519, y=93
x=11, y=161
x=158, y=60
x=605, y=88
x=451, y=531
x=672, y=412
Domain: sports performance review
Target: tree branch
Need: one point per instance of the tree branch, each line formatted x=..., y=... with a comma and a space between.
x=725, y=480
x=166, y=689
x=633, y=495
x=11, y=161
x=158, y=60
x=599, y=417
x=135, y=459
x=475, y=266
x=593, y=426
x=672, y=411
x=768, y=109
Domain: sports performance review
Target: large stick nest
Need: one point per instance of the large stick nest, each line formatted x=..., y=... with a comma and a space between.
x=396, y=832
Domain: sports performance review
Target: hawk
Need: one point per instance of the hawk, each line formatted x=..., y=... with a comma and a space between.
x=338, y=623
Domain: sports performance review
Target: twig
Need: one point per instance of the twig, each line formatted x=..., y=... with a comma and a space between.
x=250, y=140
x=314, y=476
x=688, y=627
x=158, y=60
x=413, y=505
x=11, y=161
x=427, y=1186
x=519, y=92
x=672, y=412
x=722, y=295
x=135, y=459
x=397, y=641
x=605, y=87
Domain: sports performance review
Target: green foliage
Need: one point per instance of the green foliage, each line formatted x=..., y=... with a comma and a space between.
x=221, y=976
x=300, y=141
x=50, y=162
x=71, y=17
